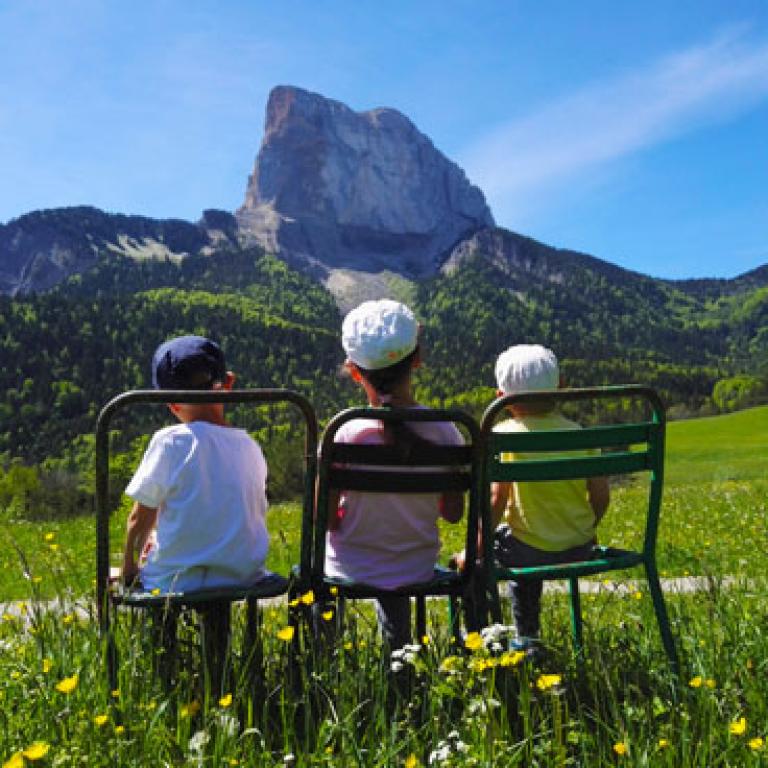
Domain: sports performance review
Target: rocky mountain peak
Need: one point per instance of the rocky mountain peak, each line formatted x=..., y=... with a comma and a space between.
x=363, y=191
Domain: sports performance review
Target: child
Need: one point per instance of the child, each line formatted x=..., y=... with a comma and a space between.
x=200, y=488
x=387, y=540
x=544, y=522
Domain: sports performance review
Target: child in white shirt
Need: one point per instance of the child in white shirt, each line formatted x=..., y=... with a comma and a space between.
x=200, y=490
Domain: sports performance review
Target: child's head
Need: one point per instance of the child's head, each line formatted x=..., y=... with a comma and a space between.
x=188, y=362
x=192, y=363
x=527, y=368
x=380, y=339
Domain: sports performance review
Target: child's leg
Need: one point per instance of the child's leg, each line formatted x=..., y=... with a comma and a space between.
x=394, y=615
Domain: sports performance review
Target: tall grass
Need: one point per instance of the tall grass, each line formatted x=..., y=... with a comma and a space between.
x=438, y=704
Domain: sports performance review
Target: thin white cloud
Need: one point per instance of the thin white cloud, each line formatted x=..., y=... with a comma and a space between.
x=614, y=118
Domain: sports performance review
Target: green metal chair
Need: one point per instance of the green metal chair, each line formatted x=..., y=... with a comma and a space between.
x=630, y=448
x=385, y=468
x=212, y=605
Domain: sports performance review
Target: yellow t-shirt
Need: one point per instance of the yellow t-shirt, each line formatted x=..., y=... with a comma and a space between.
x=551, y=516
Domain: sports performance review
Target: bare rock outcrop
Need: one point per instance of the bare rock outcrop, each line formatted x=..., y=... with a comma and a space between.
x=360, y=191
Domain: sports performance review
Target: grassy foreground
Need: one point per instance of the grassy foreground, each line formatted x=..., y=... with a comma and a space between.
x=475, y=705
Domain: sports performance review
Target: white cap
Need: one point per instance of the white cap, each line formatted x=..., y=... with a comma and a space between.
x=378, y=334
x=527, y=367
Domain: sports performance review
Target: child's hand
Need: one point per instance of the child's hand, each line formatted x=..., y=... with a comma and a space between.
x=457, y=561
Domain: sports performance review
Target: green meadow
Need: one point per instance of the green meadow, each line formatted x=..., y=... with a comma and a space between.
x=448, y=706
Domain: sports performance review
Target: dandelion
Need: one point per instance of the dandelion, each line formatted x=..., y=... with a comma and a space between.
x=68, y=618
x=348, y=646
x=155, y=591
x=50, y=536
x=225, y=700
x=709, y=682
x=663, y=743
x=620, y=748
x=100, y=720
x=756, y=744
x=119, y=730
x=737, y=727
x=546, y=682
x=327, y=615
x=53, y=547
x=67, y=685
x=293, y=603
x=115, y=694
x=411, y=761
x=511, y=658
x=47, y=664
x=36, y=751
x=450, y=664
x=473, y=641
x=15, y=761
x=425, y=640
x=286, y=634
x=190, y=709
x=308, y=597
x=638, y=595
x=334, y=591
x=695, y=682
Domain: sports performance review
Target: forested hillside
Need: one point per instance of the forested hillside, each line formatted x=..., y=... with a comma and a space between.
x=66, y=352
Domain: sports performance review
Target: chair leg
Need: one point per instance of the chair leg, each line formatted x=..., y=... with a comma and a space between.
x=164, y=636
x=576, y=622
x=215, y=631
x=660, y=608
x=253, y=652
x=421, y=618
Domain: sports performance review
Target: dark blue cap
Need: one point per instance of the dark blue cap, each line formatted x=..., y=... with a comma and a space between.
x=188, y=362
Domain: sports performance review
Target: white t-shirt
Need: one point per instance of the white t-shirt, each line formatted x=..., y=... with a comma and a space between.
x=387, y=539
x=209, y=485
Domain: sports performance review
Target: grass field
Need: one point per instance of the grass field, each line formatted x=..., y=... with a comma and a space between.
x=464, y=708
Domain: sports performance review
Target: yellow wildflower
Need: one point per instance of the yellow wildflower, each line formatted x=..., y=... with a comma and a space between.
x=473, y=641
x=155, y=591
x=36, y=751
x=411, y=761
x=620, y=748
x=334, y=591
x=545, y=682
x=756, y=744
x=638, y=595
x=225, y=700
x=293, y=603
x=286, y=633
x=709, y=682
x=450, y=663
x=188, y=710
x=738, y=727
x=50, y=536
x=511, y=658
x=119, y=729
x=15, y=761
x=348, y=646
x=53, y=547
x=115, y=694
x=695, y=682
x=308, y=597
x=663, y=743
x=425, y=640
x=100, y=720
x=327, y=615
x=67, y=685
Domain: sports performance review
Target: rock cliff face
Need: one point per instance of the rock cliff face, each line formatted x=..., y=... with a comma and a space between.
x=43, y=248
x=365, y=191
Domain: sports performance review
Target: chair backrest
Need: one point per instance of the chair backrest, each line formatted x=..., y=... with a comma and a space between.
x=385, y=468
x=256, y=397
x=616, y=449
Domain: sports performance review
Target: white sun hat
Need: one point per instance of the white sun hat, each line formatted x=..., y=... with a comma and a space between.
x=378, y=334
x=527, y=367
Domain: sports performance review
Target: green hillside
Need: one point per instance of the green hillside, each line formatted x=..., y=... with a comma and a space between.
x=733, y=446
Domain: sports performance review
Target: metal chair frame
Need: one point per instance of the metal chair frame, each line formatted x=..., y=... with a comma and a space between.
x=213, y=605
x=628, y=448
x=379, y=468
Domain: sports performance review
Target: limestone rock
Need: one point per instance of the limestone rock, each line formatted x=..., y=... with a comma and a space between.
x=363, y=191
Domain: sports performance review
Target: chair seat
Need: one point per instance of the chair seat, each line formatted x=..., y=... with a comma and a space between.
x=603, y=559
x=272, y=585
x=443, y=582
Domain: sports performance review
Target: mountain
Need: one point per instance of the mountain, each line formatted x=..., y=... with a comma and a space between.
x=365, y=191
x=341, y=206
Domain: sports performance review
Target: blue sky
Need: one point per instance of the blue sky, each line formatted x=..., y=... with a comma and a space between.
x=636, y=132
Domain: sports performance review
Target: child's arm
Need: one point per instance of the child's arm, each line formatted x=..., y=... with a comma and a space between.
x=499, y=497
x=141, y=522
x=599, y=495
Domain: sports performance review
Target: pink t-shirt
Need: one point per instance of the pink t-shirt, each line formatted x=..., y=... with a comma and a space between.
x=387, y=539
